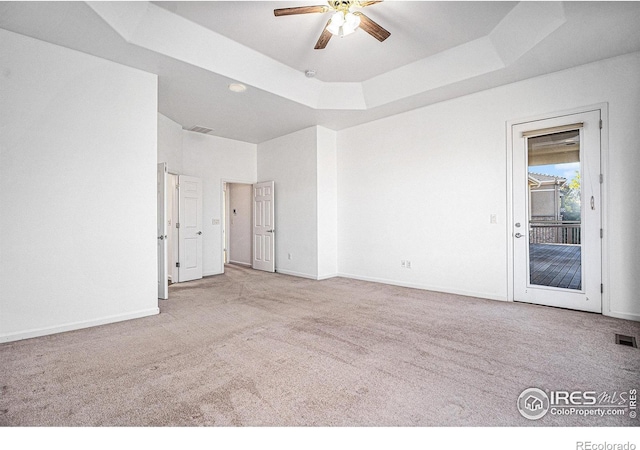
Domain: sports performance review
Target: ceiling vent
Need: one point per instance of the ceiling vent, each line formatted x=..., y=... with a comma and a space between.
x=202, y=130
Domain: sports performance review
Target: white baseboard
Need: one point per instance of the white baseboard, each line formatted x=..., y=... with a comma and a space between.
x=27, y=334
x=425, y=287
x=326, y=277
x=296, y=274
x=240, y=263
x=621, y=315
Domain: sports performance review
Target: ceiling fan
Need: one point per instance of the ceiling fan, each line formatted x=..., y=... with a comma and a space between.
x=342, y=21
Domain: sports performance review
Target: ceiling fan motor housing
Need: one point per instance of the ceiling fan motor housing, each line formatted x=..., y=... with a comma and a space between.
x=341, y=5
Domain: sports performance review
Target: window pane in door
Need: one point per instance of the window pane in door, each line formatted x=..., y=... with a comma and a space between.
x=554, y=220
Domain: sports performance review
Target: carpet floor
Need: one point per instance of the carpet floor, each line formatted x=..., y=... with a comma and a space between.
x=249, y=348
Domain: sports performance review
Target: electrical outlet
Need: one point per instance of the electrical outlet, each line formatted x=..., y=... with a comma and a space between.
x=408, y=264
x=403, y=263
x=492, y=218
x=215, y=221
x=289, y=255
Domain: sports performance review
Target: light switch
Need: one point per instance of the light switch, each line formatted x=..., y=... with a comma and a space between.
x=215, y=221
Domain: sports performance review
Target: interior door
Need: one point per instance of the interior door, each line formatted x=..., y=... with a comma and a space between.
x=163, y=284
x=557, y=212
x=264, y=246
x=189, y=228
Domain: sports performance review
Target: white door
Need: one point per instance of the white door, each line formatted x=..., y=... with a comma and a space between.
x=163, y=285
x=264, y=246
x=189, y=228
x=557, y=212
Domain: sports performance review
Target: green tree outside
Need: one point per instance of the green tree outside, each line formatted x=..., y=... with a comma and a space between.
x=571, y=203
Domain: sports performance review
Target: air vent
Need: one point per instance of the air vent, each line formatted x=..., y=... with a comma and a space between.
x=202, y=130
x=629, y=341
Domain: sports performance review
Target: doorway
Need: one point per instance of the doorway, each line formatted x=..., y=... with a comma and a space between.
x=179, y=229
x=238, y=220
x=556, y=209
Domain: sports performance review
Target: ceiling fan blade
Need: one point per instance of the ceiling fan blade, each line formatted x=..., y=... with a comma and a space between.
x=300, y=10
x=323, y=40
x=368, y=3
x=372, y=28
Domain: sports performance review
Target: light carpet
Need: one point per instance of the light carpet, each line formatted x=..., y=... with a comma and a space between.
x=249, y=348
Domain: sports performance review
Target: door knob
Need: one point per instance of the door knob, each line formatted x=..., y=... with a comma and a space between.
x=270, y=231
x=161, y=237
x=518, y=235
x=199, y=233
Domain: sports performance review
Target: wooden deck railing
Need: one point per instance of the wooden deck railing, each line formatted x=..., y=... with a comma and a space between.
x=554, y=232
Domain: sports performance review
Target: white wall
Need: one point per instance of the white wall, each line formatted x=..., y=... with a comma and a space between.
x=240, y=223
x=290, y=161
x=327, y=173
x=421, y=186
x=77, y=249
x=214, y=160
x=170, y=144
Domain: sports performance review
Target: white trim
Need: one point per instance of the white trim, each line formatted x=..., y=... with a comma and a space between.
x=240, y=263
x=509, y=221
x=604, y=169
x=554, y=115
x=77, y=325
x=604, y=205
x=327, y=276
x=308, y=276
x=296, y=274
x=623, y=315
x=425, y=287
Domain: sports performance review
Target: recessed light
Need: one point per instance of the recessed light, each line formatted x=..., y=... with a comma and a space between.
x=310, y=73
x=237, y=87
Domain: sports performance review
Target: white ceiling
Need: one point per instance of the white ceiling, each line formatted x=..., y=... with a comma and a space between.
x=437, y=51
x=418, y=29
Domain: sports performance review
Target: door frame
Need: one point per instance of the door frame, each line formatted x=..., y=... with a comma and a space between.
x=604, y=169
x=161, y=212
x=174, y=239
x=223, y=213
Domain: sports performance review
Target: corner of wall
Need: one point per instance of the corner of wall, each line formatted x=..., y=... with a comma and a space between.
x=327, y=198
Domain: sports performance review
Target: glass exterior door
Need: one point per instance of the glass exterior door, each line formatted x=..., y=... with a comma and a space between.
x=556, y=212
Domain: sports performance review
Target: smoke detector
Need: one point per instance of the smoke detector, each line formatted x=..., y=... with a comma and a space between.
x=237, y=87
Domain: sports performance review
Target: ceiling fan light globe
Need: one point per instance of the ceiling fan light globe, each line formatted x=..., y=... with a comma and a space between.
x=351, y=23
x=343, y=24
x=335, y=30
x=337, y=20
